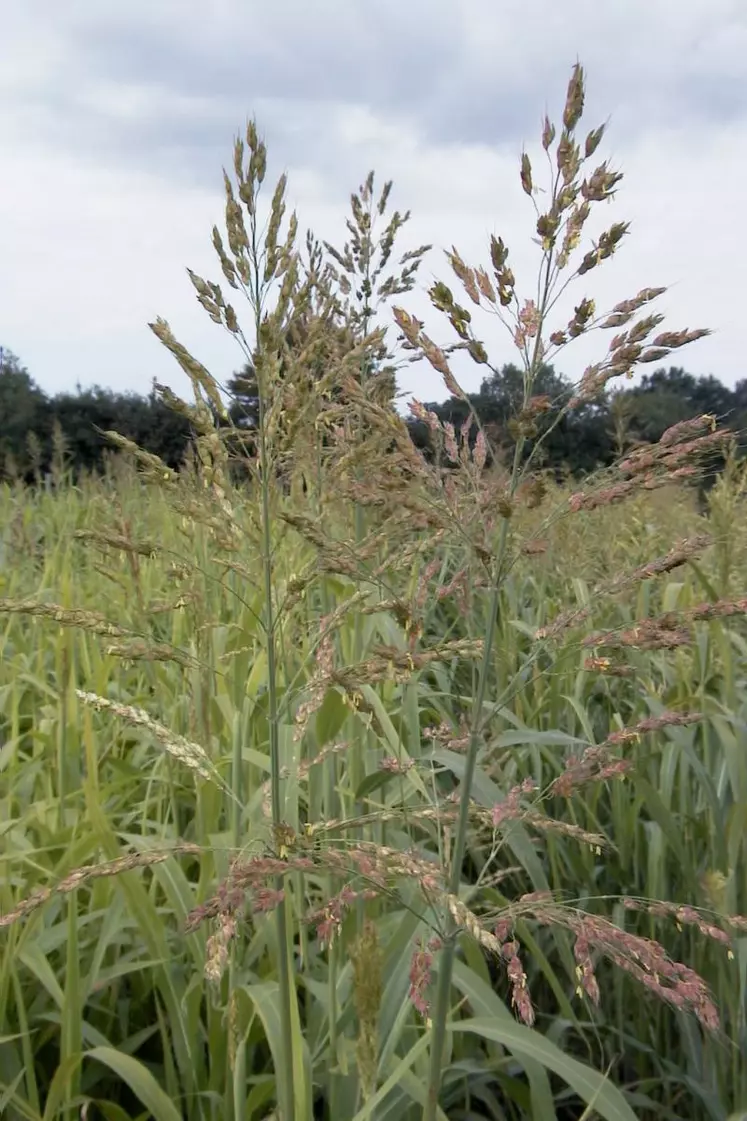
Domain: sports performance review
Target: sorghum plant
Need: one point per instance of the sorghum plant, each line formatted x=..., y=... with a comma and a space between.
x=410, y=813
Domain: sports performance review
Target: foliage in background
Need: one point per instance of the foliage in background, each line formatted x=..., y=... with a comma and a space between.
x=583, y=441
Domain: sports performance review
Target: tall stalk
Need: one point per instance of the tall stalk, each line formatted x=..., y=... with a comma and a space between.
x=285, y=1076
x=446, y=966
x=363, y=267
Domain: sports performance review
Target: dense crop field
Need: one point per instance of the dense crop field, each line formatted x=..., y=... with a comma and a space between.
x=104, y=996
x=345, y=778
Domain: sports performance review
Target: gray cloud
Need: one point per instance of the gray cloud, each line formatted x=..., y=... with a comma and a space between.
x=195, y=90
x=130, y=111
x=468, y=74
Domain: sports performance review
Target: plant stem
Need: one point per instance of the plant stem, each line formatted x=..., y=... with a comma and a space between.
x=284, y=1077
x=446, y=964
x=357, y=766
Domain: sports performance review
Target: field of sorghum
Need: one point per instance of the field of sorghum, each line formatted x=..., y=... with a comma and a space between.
x=104, y=996
x=376, y=784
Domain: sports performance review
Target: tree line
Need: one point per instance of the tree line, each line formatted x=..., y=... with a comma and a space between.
x=35, y=427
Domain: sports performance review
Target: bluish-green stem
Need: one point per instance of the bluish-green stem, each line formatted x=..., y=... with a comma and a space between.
x=446, y=964
x=284, y=1077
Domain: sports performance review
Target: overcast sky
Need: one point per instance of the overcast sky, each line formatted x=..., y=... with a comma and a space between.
x=117, y=117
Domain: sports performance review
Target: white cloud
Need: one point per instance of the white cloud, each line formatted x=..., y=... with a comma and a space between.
x=96, y=233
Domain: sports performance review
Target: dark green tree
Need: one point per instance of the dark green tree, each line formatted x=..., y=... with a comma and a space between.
x=667, y=397
x=580, y=441
x=86, y=415
x=24, y=409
